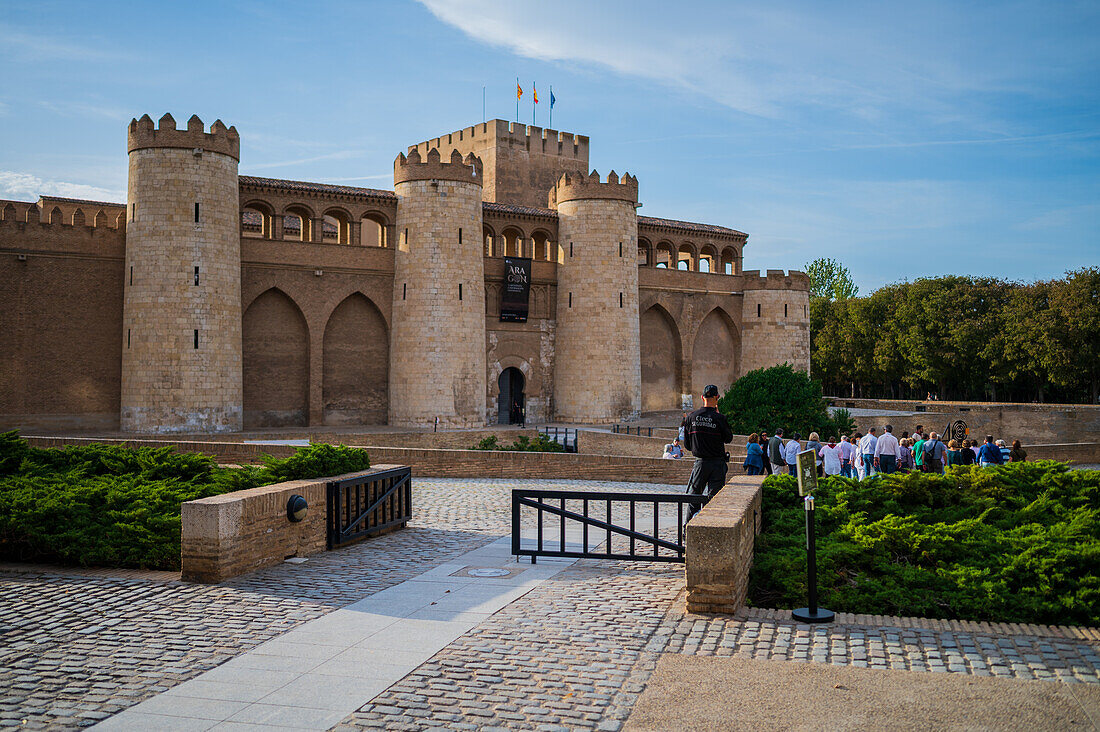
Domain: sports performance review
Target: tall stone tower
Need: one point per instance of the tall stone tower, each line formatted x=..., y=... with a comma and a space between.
x=437, y=344
x=181, y=353
x=597, y=370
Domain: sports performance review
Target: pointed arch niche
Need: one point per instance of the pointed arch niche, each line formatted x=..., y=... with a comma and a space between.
x=275, y=342
x=661, y=359
x=355, y=387
x=716, y=356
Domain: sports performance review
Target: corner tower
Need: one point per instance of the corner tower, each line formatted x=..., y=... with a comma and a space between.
x=181, y=350
x=597, y=369
x=437, y=344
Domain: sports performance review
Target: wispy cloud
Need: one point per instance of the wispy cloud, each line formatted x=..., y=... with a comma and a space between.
x=339, y=155
x=31, y=48
x=864, y=63
x=69, y=108
x=27, y=187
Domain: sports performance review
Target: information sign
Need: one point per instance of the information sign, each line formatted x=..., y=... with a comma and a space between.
x=807, y=472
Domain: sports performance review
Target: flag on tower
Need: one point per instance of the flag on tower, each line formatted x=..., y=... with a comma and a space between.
x=519, y=91
x=535, y=92
x=551, y=97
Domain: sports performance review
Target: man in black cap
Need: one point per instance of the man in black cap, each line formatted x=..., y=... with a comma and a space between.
x=706, y=433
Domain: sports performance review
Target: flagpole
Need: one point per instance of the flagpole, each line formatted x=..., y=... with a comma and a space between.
x=550, y=124
x=517, y=100
x=534, y=102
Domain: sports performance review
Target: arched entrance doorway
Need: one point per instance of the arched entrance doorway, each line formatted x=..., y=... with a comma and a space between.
x=510, y=405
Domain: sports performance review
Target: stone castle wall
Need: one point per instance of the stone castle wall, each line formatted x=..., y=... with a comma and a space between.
x=522, y=163
x=597, y=357
x=437, y=346
x=181, y=339
x=775, y=321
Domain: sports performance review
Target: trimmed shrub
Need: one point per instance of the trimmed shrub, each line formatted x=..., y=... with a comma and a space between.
x=779, y=396
x=116, y=506
x=1015, y=543
x=541, y=443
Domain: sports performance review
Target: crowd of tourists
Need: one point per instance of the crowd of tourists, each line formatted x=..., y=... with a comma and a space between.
x=865, y=455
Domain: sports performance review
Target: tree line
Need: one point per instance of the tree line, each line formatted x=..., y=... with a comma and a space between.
x=959, y=338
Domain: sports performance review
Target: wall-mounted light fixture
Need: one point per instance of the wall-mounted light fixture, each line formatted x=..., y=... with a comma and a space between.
x=296, y=508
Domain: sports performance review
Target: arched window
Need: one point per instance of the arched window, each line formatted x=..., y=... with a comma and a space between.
x=729, y=261
x=665, y=256
x=256, y=221
x=298, y=224
x=336, y=228
x=544, y=247
x=685, y=257
x=372, y=231
x=490, y=239
x=708, y=258
x=513, y=242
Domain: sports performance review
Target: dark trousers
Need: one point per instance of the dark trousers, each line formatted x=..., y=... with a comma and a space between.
x=707, y=478
x=887, y=464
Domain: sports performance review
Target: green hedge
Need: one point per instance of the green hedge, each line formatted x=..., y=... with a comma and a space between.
x=116, y=506
x=541, y=443
x=1016, y=543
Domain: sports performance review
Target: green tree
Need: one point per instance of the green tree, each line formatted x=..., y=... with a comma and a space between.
x=830, y=279
x=1075, y=304
x=779, y=396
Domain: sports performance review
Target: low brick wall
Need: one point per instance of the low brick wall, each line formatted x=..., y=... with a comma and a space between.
x=433, y=463
x=590, y=442
x=451, y=439
x=720, y=544
x=236, y=533
x=1087, y=453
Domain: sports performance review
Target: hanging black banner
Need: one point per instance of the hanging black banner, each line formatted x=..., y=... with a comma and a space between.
x=516, y=294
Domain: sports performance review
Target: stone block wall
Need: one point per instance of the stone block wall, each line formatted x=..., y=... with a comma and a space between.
x=597, y=362
x=173, y=380
x=437, y=345
x=775, y=321
x=720, y=543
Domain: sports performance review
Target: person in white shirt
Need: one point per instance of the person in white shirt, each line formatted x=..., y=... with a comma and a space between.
x=887, y=452
x=847, y=452
x=830, y=457
x=867, y=452
x=790, y=453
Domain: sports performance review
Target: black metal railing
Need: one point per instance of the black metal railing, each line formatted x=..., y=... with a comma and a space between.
x=368, y=505
x=628, y=430
x=564, y=436
x=594, y=523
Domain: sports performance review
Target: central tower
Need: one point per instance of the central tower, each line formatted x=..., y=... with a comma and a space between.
x=597, y=367
x=437, y=347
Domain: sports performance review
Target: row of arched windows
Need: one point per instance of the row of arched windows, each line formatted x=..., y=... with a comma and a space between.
x=297, y=222
x=706, y=258
x=512, y=241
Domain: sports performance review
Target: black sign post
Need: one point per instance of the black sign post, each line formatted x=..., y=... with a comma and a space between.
x=516, y=295
x=807, y=483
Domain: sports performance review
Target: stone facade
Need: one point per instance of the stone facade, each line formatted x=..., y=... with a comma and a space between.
x=776, y=321
x=314, y=308
x=437, y=354
x=181, y=356
x=597, y=358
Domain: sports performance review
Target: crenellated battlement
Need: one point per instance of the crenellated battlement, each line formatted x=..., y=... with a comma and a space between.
x=431, y=167
x=580, y=187
x=776, y=279
x=46, y=212
x=498, y=131
x=143, y=135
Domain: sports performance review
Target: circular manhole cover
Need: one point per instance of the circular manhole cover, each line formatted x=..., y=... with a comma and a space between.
x=488, y=572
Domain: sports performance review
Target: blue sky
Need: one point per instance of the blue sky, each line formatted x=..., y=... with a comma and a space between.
x=903, y=139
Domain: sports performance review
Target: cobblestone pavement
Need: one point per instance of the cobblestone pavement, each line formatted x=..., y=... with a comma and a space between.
x=572, y=654
x=1025, y=656
x=76, y=648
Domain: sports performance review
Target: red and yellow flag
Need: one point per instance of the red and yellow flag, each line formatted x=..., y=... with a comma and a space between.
x=535, y=92
x=519, y=92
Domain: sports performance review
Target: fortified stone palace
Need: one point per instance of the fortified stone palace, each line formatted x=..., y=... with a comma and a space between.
x=498, y=273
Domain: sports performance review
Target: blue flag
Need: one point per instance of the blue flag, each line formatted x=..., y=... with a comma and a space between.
x=551, y=97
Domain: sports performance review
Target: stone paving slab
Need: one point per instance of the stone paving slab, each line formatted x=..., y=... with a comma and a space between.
x=700, y=694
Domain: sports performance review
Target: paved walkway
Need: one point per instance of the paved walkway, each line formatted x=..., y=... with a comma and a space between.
x=413, y=631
